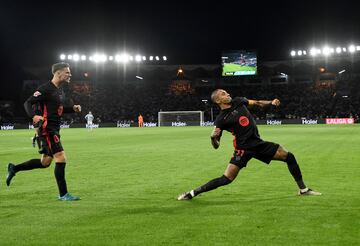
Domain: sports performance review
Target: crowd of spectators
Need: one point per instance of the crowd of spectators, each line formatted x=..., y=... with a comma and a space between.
x=6, y=112
x=110, y=103
x=123, y=102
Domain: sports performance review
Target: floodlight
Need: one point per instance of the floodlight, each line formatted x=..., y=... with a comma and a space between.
x=326, y=51
x=313, y=51
x=124, y=58
x=138, y=58
x=76, y=57
x=352, y=48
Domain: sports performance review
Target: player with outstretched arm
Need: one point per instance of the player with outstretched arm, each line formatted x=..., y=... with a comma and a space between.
x=236, y=118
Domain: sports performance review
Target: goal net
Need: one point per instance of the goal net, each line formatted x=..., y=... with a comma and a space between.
x=180, y=118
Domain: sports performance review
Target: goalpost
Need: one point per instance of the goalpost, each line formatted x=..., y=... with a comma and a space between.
x=180, y=118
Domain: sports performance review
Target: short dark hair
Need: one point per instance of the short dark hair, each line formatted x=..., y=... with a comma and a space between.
x=213, y=95
x=59, y=66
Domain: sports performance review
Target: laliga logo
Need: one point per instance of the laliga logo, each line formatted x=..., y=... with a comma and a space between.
x=340, y=121
x=37, y=93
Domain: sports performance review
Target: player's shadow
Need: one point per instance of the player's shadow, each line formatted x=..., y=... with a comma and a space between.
x=176, y=207
x=218, y=201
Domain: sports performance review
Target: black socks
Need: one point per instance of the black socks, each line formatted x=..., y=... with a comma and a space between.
x=59, y=172
x=29, y=165
x=60, y=177
x=213, y=184
x=295, y=170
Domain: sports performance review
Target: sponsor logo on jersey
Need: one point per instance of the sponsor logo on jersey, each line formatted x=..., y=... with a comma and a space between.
x=244, y=121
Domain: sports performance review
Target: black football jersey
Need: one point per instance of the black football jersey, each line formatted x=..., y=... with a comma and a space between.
x=238, y=120
x=48, y=101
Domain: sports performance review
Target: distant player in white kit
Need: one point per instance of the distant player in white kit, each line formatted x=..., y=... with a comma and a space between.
x=89, y=117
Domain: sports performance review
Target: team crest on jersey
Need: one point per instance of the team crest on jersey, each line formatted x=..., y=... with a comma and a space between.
x=37, y=93
x=244, y=121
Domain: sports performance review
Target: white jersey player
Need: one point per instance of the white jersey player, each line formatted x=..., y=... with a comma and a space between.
x=89, y=117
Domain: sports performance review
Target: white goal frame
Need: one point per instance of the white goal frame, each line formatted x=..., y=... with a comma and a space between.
x=201, y=115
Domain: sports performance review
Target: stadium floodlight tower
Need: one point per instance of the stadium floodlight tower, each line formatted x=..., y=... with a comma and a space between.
x=180, y=118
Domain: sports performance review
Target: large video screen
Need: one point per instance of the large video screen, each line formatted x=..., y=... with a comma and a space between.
x=239, y=63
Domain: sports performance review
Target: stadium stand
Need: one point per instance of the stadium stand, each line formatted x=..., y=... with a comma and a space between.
x=115, y=96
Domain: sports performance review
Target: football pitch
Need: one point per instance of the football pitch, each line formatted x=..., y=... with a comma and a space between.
x=129, y=179
x=232, y=68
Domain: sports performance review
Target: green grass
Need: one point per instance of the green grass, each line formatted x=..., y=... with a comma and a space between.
x=128, y=180
x=230, y=68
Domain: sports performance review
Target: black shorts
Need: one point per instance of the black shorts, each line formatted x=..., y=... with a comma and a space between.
x=264, y=152
x=50, y=143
